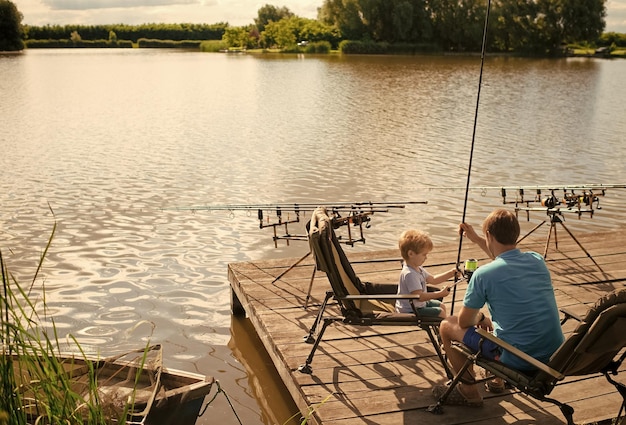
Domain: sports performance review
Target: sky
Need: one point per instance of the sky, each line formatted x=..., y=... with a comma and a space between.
x=235, y=12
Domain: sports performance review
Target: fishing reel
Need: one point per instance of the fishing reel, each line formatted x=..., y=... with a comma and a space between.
x=550, y=202
x=354, y=217
x=573, y=201
x=587, y=199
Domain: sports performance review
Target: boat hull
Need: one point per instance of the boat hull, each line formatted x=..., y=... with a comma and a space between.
x=182, y=398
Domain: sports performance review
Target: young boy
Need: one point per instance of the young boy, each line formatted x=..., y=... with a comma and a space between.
x=414, y=248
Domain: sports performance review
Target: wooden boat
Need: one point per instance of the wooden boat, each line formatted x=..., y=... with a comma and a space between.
x=133, y=385
x=182, y=398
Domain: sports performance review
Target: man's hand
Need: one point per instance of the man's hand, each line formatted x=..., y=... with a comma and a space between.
x=486, y=324
x=468, y=231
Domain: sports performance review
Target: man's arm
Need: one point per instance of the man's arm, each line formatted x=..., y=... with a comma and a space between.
x=468, y=230
x=469, y=317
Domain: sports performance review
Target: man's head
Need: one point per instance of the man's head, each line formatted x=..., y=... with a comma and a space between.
x=503, y=226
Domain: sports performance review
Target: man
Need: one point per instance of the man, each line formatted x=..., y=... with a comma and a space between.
x=517, y=288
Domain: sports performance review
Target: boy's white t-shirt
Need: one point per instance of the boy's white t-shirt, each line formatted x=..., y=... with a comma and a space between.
x=411, y=280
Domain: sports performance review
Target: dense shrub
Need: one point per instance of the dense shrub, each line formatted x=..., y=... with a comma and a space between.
x=363, y=47
x=68, y=43
x=318, y=47
x=413, y=48
x=168, y=44
x=163, y=31
x=612, y=38
x=213, y=46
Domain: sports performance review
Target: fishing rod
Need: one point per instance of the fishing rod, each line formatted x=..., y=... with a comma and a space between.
x=559, y=186
x=301, y=206
x=583, y=199
x=469, y=166
x=349, y=214
x=588, y=186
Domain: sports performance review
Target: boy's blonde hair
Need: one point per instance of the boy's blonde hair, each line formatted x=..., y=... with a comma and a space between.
x=414, y=240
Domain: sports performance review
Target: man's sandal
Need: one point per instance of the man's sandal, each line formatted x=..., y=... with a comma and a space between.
x=456, y=397
x=493, y=385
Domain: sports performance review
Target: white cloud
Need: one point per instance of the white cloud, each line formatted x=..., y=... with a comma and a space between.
x=133, y=12
x=110, y=4
x=616, y=16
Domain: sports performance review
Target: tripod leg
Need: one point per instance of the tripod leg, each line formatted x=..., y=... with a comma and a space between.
x=581, y=247
x=291, y=267
x=556, y=239
x=545, y=251
x=528, y=234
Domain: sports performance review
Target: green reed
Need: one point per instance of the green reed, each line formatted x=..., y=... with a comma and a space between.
x=35, y=386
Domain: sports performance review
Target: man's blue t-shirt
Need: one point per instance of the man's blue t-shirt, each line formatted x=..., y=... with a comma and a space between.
x=517, y=289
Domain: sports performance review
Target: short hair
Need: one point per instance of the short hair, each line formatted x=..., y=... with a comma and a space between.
x=503, y=226
x=414, y=240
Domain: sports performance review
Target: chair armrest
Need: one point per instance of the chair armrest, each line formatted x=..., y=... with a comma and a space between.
x=519, y=353
x=567, y=313
x=381, y=297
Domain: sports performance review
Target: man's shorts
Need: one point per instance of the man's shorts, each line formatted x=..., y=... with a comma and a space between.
x=489, y=348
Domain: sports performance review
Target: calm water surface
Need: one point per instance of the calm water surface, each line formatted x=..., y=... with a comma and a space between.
x=108, y=144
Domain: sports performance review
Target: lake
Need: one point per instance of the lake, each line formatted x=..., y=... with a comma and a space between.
x=116, y=146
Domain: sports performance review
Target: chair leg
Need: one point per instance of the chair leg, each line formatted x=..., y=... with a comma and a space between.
x=309, y=337
x=306, y=367
x=436, y=408
x=567, y=410
x=621, y=389
x=436, y=344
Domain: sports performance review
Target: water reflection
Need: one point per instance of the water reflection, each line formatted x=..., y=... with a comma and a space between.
x=276, y=404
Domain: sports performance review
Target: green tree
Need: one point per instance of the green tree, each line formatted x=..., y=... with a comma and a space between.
x=512, y=24
x=582, y=20
x=10, y=27
x=279, y=34
x=238, y=37
x=313, y=30
x=288, y=31
x=532, y=26
x=269, y=13
x=345, y=15
x=402, y=21
x=459, y=25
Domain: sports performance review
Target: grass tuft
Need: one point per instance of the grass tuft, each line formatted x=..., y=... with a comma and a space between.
x=36, y=386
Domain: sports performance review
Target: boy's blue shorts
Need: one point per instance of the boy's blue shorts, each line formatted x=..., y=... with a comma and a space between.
x=489, y=348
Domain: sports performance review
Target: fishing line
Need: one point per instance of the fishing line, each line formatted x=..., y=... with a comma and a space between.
x=469, y=167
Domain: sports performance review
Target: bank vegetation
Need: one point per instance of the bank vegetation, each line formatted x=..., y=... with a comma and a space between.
x=522, y=27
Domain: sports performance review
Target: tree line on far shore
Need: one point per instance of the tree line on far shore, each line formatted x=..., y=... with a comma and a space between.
x=354, y=26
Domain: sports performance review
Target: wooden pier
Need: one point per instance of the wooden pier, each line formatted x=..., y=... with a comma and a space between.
x=384, y=375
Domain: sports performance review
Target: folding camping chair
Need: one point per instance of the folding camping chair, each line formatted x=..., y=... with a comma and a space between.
x=361, y=303
x=592, y=348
